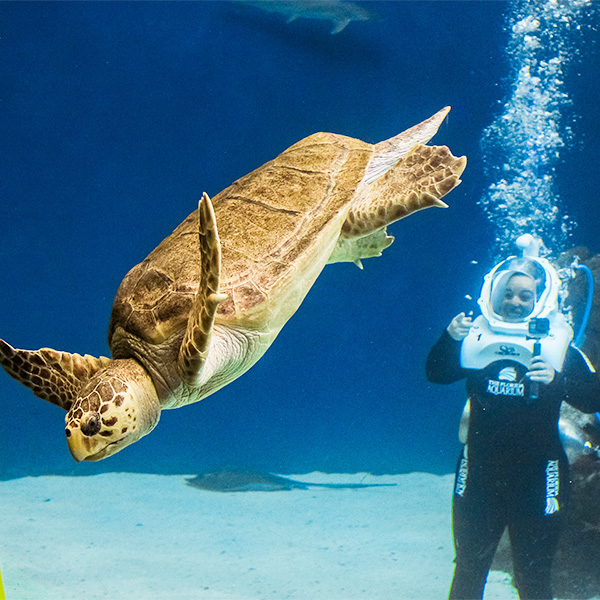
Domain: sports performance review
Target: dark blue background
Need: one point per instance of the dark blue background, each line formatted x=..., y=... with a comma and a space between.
x=116, y=116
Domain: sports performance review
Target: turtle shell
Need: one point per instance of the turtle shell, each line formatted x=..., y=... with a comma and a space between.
x=276, y=225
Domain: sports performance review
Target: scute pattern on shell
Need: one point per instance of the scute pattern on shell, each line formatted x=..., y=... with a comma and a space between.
x=269, y=221
x=150, y=303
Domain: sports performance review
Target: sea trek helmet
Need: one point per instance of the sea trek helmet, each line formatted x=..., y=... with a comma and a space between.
x=493, y=338
x=530, y=264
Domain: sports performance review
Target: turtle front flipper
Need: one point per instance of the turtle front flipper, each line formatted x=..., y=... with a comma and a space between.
x=194, y=347
x=53, y=376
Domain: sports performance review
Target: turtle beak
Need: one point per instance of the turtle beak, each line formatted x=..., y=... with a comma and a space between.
x=79, y=444
x=83, y=447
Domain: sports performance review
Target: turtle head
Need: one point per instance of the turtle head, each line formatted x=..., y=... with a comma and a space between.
x=116, y=407
x=110, y=403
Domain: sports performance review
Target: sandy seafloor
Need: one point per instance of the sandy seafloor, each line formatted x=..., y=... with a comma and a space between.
x=152, y=537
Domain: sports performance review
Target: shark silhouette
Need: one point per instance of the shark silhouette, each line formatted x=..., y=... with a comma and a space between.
x=340, y=13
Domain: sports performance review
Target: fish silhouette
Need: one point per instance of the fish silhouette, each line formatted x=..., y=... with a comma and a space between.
x=340, y=13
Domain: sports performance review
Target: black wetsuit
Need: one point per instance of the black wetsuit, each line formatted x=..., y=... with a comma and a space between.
x=513, y=471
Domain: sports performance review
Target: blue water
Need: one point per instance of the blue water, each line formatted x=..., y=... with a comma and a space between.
x=116, y=116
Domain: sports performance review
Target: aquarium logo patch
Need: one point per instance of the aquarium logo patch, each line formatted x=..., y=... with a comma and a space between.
x=508, y=374
x=505, y=388
x=461, y=478
x=506, y=384
x=552, y=487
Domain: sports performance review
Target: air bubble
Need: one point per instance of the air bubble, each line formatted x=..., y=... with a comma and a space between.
x=523, y=146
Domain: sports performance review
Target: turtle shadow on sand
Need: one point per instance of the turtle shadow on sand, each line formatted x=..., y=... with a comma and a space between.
x=240, y=480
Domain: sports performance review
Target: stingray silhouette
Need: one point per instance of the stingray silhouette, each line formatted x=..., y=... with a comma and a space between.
x=239, y=480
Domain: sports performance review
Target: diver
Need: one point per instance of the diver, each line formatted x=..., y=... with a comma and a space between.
x=512, y=473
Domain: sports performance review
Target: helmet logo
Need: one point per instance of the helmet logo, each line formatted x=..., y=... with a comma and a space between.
x=507, y=351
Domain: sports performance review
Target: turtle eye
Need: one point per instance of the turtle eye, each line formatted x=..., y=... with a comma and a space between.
x=90, y=424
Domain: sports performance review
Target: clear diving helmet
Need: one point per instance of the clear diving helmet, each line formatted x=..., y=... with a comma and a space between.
x=544, y=330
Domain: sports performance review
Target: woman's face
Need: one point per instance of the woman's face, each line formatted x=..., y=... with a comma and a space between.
x=519, y=298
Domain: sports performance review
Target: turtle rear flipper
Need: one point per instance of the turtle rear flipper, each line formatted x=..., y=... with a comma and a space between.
x=388, y=152
x=194, y=347
x=403, y=176
x=420, y=179
x=53, y=376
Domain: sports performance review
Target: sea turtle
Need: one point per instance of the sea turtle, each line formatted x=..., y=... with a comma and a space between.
x=206, y=304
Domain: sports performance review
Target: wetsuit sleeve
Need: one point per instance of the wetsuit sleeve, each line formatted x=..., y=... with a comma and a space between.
x=443, y=362
x=581, y=385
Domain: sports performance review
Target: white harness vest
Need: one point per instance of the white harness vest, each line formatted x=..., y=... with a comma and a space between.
x=484, y=346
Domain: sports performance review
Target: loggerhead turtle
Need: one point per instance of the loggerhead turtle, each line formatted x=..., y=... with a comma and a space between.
x=206, y=304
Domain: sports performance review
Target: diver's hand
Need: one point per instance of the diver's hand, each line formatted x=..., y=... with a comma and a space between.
x=459, y=327
x=541, y=370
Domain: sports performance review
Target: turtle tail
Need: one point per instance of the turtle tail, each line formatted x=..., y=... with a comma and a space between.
x=53, y=376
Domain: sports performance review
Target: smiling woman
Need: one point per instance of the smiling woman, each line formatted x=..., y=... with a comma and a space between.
x=512, y=472
x=513, y=296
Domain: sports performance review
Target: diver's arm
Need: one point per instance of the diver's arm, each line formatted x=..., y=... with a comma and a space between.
x=459, y=327
x=581, y=384
x=443, y=362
